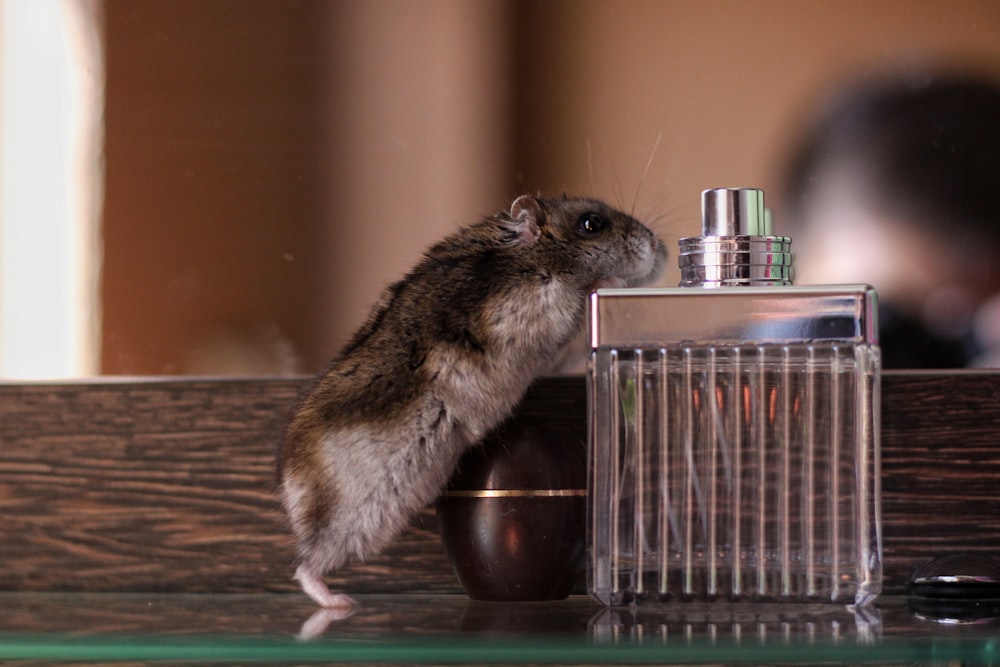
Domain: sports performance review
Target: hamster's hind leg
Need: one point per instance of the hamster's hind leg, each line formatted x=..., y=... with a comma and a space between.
x=313, y=585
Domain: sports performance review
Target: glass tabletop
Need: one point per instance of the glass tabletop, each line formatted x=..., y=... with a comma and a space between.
x=450, y=629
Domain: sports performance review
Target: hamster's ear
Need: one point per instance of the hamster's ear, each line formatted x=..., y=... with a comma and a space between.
x=527, y=219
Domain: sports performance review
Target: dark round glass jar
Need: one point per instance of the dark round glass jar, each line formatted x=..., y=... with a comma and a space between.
x=513, y=519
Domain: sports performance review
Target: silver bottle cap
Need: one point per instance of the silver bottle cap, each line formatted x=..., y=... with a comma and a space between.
x=737, y=247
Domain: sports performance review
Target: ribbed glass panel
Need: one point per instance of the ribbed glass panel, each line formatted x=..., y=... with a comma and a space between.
x=735, y=472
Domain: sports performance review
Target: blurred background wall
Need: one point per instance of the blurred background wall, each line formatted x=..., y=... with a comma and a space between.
x=269, y=165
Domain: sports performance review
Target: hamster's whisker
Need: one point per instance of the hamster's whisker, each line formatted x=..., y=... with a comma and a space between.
x=590, y=167
x=645, y=172
x=619, y=191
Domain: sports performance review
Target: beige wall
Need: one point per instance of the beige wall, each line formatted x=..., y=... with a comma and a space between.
x=418, y=98
x=272, y=164
x=213, y=186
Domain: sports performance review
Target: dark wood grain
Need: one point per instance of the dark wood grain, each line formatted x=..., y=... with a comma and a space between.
x=940, y=467
x=130, y=485
x=167, y=485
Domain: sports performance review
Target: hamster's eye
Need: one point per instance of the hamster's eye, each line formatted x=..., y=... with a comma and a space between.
x=591, y=223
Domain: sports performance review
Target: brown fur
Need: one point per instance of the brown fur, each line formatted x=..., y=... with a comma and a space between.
x=445, y=355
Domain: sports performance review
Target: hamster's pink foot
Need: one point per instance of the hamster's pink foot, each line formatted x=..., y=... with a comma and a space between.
x=313, y=586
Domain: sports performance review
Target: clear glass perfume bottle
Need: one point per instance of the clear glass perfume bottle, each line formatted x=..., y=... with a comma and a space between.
x=734, y=427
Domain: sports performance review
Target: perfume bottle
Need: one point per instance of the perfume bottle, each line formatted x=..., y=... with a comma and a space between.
x=734, y=427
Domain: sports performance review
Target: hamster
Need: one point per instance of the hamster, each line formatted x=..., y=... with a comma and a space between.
x=444, y=357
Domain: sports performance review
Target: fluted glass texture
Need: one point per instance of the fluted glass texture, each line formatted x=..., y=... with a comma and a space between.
x=734, y=472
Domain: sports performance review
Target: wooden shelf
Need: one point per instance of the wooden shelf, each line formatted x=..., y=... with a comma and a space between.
x=166, y=485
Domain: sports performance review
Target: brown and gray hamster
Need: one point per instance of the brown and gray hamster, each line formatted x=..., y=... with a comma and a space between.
x=444, y=357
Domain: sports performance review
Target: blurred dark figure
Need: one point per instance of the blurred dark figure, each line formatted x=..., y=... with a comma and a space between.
x=897, y=184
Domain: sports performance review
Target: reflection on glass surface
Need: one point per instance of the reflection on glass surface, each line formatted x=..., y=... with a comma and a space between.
x=411, y=629
x=747, y=625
